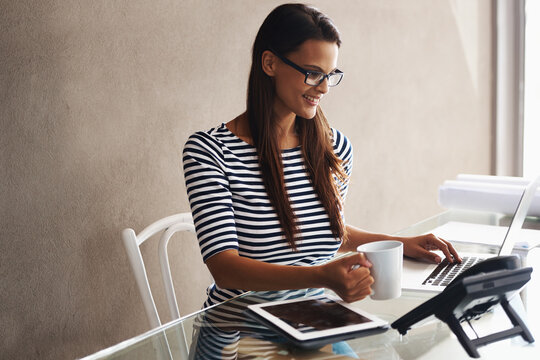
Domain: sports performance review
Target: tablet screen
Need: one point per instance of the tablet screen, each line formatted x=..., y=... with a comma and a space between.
x=316, y=314
x=316, y=317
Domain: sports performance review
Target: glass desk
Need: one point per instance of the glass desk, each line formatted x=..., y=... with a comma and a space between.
x=223, y=332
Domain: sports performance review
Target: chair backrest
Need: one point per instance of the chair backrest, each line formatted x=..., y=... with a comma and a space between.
x=132, y=241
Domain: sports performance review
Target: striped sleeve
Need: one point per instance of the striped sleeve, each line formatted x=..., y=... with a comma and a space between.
x=209, y=195
x=344, y=151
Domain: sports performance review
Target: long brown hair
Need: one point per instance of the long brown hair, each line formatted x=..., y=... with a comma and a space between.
x=283, y=31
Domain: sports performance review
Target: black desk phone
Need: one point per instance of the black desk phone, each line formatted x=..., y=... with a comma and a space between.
x=475, y=291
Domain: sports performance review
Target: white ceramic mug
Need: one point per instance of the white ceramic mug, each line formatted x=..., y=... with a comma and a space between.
x=387, y=259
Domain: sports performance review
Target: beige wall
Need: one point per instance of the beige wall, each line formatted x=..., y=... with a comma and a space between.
x=97, y=98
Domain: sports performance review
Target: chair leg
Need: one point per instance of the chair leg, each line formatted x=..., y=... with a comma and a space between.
x=182, y=342
x=162, y=347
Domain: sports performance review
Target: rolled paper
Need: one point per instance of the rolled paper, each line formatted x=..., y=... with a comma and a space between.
x=486, y=193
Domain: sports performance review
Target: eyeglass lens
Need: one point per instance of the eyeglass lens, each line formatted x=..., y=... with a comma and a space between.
x=315, y=78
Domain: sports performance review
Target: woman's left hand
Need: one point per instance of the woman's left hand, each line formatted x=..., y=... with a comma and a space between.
x=420, y=247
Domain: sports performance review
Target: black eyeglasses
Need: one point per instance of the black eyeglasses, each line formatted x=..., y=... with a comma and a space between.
x=314, y=78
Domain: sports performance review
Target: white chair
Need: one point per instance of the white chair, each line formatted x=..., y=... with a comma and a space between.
x=132, y=241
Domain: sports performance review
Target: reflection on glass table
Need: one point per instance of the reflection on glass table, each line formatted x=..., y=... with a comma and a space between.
x=224, y=332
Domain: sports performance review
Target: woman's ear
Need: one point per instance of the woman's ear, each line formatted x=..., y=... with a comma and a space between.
x=268, y=60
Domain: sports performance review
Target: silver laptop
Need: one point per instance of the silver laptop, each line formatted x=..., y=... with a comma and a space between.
x=424, y=276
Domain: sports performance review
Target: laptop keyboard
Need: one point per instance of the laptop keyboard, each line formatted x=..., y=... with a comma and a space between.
x=445, y=272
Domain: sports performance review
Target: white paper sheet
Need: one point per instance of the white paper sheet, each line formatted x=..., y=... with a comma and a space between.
x=455, y=231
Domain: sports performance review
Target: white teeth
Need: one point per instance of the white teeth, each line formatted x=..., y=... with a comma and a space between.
x=311, y=98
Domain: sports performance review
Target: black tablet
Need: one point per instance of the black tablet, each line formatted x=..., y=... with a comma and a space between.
x=316, y=321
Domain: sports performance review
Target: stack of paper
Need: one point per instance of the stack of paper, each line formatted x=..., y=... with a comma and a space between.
x=486, y=193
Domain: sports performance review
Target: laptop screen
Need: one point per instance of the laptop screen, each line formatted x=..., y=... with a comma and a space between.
x=524, y=204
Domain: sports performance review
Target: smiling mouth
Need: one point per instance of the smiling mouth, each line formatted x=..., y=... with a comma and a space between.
x=311, y=99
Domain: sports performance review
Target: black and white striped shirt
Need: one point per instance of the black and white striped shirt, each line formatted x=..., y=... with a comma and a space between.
x=231, y=209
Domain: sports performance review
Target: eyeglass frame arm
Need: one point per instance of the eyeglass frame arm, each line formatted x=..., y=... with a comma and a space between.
x=307, y=72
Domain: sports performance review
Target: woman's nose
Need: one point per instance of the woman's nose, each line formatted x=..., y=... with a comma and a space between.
x=323, y=86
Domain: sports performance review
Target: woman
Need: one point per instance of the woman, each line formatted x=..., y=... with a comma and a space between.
x=267, y=188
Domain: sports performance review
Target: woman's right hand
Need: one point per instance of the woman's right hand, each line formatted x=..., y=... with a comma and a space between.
x=349, y=277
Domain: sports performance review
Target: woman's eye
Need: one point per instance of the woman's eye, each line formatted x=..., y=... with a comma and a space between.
x=315, y=76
